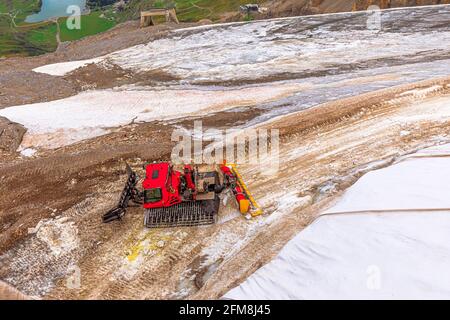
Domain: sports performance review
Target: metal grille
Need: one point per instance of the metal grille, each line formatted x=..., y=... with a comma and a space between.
x=186, y=214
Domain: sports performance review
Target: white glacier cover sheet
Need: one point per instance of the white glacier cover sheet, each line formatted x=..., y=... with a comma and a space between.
x=371, y=255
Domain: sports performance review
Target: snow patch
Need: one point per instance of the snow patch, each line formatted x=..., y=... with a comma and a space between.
x=254, y=50
x=60, y=235
x=405, y=133
x=63, y=68
x=28, y=152
x=286, y=204
x=92, y=113
x=421, y=93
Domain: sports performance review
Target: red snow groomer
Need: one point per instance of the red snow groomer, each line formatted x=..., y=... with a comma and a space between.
x=190, y=198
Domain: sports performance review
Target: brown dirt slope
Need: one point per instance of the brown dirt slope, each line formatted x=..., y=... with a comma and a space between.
x=284, y=8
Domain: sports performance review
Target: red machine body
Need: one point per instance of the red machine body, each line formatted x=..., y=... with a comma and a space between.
x=161, y=186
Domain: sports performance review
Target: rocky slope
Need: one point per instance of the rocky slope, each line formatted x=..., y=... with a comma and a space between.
x=299, y=7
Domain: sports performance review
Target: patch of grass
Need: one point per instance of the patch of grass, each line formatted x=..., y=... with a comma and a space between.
x=20, y=38
x=159, y=4
x=42, y=39
x=23, y=7
x=44, y=35
x=95, y=22
x=3, y=7
x=29, y=43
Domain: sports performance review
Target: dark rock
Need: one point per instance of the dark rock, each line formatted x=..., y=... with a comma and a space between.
x=11, y=135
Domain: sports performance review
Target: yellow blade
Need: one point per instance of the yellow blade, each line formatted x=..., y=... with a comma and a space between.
x=256, y=210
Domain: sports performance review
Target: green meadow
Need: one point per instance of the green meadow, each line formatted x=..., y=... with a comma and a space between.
x=93, y=23
x=20, y=38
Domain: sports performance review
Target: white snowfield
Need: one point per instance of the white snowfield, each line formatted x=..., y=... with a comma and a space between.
x=278, y=66
x=93, y=113
x=400, y=251
x=61, y=69
x=292, y=45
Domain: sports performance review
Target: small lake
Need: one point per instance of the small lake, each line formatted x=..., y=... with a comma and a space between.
x=55, y=8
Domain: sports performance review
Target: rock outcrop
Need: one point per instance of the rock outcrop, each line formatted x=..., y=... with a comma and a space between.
x=11, y=135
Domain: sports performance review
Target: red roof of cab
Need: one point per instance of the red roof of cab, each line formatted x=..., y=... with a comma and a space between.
x=156, y=175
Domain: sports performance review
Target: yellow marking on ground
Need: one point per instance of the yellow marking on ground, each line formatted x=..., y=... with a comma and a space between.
x=140, y=245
